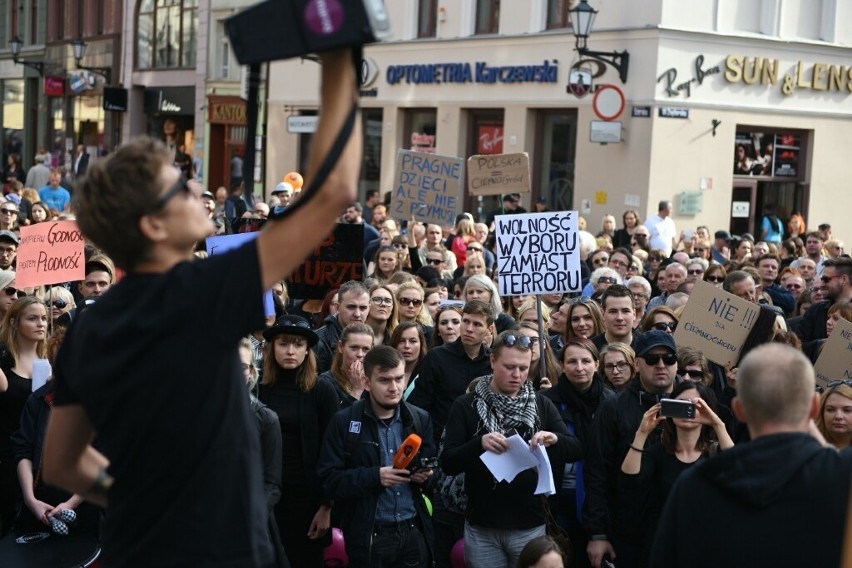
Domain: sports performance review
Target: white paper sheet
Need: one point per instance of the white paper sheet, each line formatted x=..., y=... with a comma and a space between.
x=545, y=474
x=41, y=370
x=506, y=466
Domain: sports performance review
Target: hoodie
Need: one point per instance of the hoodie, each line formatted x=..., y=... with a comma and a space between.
x=779, y=500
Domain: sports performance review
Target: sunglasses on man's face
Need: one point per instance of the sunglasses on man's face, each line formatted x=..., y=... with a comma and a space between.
x=13, y=292
x=716, y=279
x=181, y=186
x=521, y=341
x=668, y=359
x=434, y=261
x=6, y=211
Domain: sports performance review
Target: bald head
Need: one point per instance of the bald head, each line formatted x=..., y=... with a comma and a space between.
x=775, y=390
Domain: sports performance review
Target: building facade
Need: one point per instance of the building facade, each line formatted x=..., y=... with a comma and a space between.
x=471, y=77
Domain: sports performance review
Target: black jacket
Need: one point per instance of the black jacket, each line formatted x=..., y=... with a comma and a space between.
x=511, y=506
x=782, y=298
x=352, y=478
x=613, y=430
x=329, y=335
x=445, y=373
x=780, y=500
x=270, y=450
x=575, y=411
x=812, y=324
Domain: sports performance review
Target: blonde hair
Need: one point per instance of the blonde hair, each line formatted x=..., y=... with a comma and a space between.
x=9, y=329
x=423, y=316
x=843, y=390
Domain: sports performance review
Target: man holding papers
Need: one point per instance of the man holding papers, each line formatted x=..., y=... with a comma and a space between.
x=505, y=507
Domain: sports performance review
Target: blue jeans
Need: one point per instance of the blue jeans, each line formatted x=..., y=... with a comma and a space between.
x=496, y=548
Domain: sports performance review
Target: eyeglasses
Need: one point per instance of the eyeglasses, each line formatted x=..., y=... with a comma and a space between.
x=827, y=279
x=668, y=359
x=434, y=261
x=616, y=367
x=9, y=211
x=816, y=290
x=692, y=374
x=380, y=301
x=416, y=302
x=601, y=260
x=59, y=304
x=716, y=279
x=522, y=341
x=181, y=186
x=12, y=292
x=607, y=280
x=695, y=272
x=639, y=296
x=665, y=326
x=618, y=263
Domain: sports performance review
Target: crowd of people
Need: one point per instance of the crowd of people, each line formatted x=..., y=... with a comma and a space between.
x=216, y=434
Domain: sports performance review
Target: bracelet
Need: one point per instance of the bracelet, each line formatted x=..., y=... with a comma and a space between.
x=635, y=449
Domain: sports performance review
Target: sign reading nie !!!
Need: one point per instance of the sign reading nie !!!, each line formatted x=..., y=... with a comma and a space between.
x=50, y=253
x=538, y=253
x=479, y=72
x=835, y=359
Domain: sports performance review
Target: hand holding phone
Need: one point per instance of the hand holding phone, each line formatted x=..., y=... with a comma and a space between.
x=674, y=408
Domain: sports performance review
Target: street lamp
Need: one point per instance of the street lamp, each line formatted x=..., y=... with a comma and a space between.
x=80, y=51
x=16, y=44
x=582, y=19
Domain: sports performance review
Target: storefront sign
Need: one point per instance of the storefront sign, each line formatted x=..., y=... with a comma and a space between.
x=498, y=174
x=740, y=209
x=230, y=111
x=427, y=187
x=170, y=100
x=674, y=112
x=771, y=155
x=423, y=143
x=81, y=81
x=54, y=86
x=338, y=259
x=115, y=99
x=369, y=72
x=699, y=72
x=302, y=124
x=538, y=253
x=765, y=71
x=479, y=72
x=835, y=360
x=490, y=139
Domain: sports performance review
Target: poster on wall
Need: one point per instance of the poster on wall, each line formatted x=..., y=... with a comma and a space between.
x=786, y=155
x=490, y=139
x=770, y=155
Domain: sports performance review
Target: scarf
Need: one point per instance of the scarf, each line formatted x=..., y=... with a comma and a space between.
x=501, y=413
x=583, y=403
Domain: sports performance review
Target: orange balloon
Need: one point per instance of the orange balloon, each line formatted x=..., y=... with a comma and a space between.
x=294, y=179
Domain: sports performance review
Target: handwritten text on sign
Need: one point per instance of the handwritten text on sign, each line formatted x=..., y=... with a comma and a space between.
x=50, y=253
x=338, y=259
x=538, y=253
x=835, y=360
x=427, y=187
x=716, y=323
x=497, y=174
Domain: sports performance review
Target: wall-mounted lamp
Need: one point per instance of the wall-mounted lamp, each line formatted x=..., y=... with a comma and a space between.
x=582, y=18
x=80, y=51
x=16, y=44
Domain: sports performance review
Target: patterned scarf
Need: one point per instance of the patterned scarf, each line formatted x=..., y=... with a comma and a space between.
x=501, y=413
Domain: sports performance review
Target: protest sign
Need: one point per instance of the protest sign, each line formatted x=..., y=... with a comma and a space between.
x=50, y=253
x=338, y=259
x=835, y=360
x=538, y=253
x=496, y=174
x=427, y=187
x=222, y=243
x=716, y=323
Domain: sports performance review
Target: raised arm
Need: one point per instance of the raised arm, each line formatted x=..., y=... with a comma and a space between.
x=283, y=245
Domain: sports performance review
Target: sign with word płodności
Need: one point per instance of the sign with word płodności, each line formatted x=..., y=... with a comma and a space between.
x=497, y=174
x=538, y=253
x=50, y=253
x=427, y=187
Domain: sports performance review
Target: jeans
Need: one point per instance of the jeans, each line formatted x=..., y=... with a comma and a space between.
x=399, y=546
x=496, y=548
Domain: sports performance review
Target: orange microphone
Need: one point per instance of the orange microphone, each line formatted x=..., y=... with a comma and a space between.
x=407, y=452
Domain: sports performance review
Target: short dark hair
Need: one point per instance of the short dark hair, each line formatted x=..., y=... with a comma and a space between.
x=843, y=264
x=480, y=308
x=536, y=548
x=766, y=256
x=814, y=234
x=824, y=227
x=372, y=193
x=381, y=357
x=615, y=291
x=664, y=205
x=352, y=286
x=733, y=278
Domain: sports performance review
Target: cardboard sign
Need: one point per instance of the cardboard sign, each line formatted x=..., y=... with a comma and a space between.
x=50, y=253
x=716, y=323
x=427, y=187
x=835, y=360
x=538, y=253
x=223, y=243
x=497, y=174
x=338, y=259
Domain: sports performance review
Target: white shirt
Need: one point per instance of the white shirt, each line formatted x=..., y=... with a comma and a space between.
x=662, y=233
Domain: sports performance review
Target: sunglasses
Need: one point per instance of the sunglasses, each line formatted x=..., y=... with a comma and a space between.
x=416, y=302
x=13, y=292
x=613, y=367
x=9, y=211
x=827, y=279
x=692, y=374
x=695, y=272
x=716, y=279
x=472, y=249
x=379, y=301
x=434, y=261
x=401, y=245
x=668, y=359
x=607, y=280
x=522, y=341
x=665, y=326
x=834, y=384
x=600, y=260
x=59, y=304
x=181, y=186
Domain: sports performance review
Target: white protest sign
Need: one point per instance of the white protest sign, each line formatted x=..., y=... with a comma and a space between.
x=427, y=187
x=835, y=359
x=538, y=253
x=716, y=323
x=496, y=174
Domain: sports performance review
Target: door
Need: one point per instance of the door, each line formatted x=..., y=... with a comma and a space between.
x=743, y=200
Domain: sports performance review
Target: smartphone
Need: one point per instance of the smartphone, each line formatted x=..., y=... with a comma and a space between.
x=673, y=408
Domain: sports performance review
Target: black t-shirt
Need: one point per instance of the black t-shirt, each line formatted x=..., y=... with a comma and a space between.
x=154, y=363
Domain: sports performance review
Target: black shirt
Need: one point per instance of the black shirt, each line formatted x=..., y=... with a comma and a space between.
x=154, y=363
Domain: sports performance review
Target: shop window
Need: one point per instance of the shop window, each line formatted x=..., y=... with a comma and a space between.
x=485, y=136
x=487, y=17
x=371, y=166
x=167, y=34
x=427, y=18
x=558, y=15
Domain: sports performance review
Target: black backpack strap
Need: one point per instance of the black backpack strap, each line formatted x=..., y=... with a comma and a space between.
x=415, y=417
x=353, y=430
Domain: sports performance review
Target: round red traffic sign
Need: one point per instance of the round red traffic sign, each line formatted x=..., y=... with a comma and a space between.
x=609, y=102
